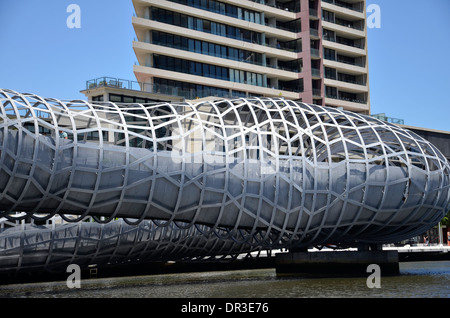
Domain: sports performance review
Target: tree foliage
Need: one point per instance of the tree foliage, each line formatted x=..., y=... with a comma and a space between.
x=446, y=219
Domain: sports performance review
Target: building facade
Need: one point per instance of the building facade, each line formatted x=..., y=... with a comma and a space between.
x=303, y=50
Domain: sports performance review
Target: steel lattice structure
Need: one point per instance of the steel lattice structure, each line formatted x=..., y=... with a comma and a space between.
x=28, y=247
x=290, y=173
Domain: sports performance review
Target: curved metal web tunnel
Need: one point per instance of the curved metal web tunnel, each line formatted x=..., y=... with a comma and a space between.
x=253, y=173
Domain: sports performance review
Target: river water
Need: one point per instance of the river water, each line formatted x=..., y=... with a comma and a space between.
x=416, y=279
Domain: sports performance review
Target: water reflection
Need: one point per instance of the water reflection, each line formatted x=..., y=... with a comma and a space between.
x=418, y=279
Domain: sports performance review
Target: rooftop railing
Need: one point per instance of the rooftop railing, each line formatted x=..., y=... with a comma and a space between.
x=383, y=117
x=115, y=82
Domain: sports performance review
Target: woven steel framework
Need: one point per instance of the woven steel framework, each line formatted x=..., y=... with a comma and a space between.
x=51, y=247
x=294, y=174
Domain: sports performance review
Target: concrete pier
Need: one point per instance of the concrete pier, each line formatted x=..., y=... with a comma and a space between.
x=336, y=263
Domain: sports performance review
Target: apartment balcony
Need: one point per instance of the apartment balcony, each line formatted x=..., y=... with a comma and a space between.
x=344, y=9
x=315, y=73
x=348, y=105
x=347, y=99
x=314, y=33
x=282, y=72
x=345, y=30
x=355, y=87
x=317, y=93
x=271, y=50
x=353, y=50
x=270, y=11
x=313, y=14
x=315, y=53
x=293, y=6
x=145, y=71
x=345, y=66
x=222, y=19
x=355, y=105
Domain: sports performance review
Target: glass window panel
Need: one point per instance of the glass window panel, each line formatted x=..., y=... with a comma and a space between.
x=192, y=67
x=170, y=39
x=225, y=73
x=115, y=98
x=206, y=70
x=217, y=50
x=177, y=42
x=258, y=18
x=259, y=80
x=206, y=26
x=198, y=69
x=170, y=63
x=176, y=19
x=199, y=25
x=205, y=47
x=155, y=37
x=184, y=21
x=198, y=46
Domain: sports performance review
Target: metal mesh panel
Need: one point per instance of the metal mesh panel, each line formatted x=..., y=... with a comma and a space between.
x=291, y=173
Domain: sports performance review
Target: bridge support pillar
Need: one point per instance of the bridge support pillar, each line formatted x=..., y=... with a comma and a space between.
x=336, y=263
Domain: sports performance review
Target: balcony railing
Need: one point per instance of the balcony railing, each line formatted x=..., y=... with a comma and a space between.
x=342, y=60
x=315, y=72
x=314, y=32
x=114, y=82
x=135, y=86
x=157, y=88
x=344, y=5
x=317, y=92
x=343, y=42
x=315, y=52
x=383, y=117
x=313, y=13
x=353, y=100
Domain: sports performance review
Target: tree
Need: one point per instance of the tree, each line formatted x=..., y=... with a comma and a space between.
x=446, y=219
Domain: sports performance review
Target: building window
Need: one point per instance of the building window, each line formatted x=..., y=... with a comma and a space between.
x=329, y=54
x=207, y=48
x=207, y=26
x=331, y=92
x=189, y=90
x=330, y=73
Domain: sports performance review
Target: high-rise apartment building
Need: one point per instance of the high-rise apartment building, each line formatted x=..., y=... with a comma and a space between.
x=314, y=51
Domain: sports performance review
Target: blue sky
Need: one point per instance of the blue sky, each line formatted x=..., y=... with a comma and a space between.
x=408, y=56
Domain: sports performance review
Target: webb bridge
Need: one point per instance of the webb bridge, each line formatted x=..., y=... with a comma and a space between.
x=191, y=181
